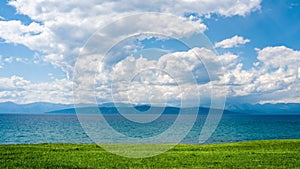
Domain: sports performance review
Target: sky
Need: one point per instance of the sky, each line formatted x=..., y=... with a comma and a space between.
x=256, y=41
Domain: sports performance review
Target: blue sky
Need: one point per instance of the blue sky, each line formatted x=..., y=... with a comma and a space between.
x=276, y=24
x=25, y=68
x=40, y=41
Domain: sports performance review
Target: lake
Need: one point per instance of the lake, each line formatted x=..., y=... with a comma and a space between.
x=60, y=128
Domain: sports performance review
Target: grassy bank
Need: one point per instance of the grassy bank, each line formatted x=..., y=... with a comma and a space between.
x=254, y=154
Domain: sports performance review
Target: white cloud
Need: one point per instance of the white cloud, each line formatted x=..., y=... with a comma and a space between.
x=20, y=90
x=274, y=79
x=60, y=28
x=235, y=41
x=2, y=18
x=9, y=59
x=288, y=95
x=280, y=57
x=141, y=79
x=13, y=31
x=3, y=61
x=14, y=82
x=179, y=7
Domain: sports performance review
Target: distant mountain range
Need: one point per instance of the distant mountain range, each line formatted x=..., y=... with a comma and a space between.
x=140, y=109
x=32, y=108
x=110, y=108
x=279, y=108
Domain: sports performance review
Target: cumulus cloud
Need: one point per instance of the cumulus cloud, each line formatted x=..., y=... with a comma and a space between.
x=171, y=77
x=60, y=28
x=279, y=57
x=14, y=31
x=142, y=80
x=226, y=8
x=20, y=90
x=274, y=79
x=235, y=41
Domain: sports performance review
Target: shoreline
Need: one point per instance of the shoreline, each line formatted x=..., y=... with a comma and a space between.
x=197, y=144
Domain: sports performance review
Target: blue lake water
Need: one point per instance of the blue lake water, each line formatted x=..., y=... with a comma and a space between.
x=53, y=128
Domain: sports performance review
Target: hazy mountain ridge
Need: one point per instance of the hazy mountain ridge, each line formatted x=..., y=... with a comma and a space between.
x=110, y=108
x=268, y=108
x=32, y=108
x=140, y=109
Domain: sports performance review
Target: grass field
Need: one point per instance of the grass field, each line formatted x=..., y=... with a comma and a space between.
x=254, y=154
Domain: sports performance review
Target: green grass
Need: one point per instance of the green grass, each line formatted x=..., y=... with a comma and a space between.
x=254, y=154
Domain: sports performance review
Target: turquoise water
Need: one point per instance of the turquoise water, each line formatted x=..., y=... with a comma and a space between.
x=53, y=128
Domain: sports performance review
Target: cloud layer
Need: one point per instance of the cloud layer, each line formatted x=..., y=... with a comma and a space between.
x=274, y=78
x=59, y=29
x=20, y=90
